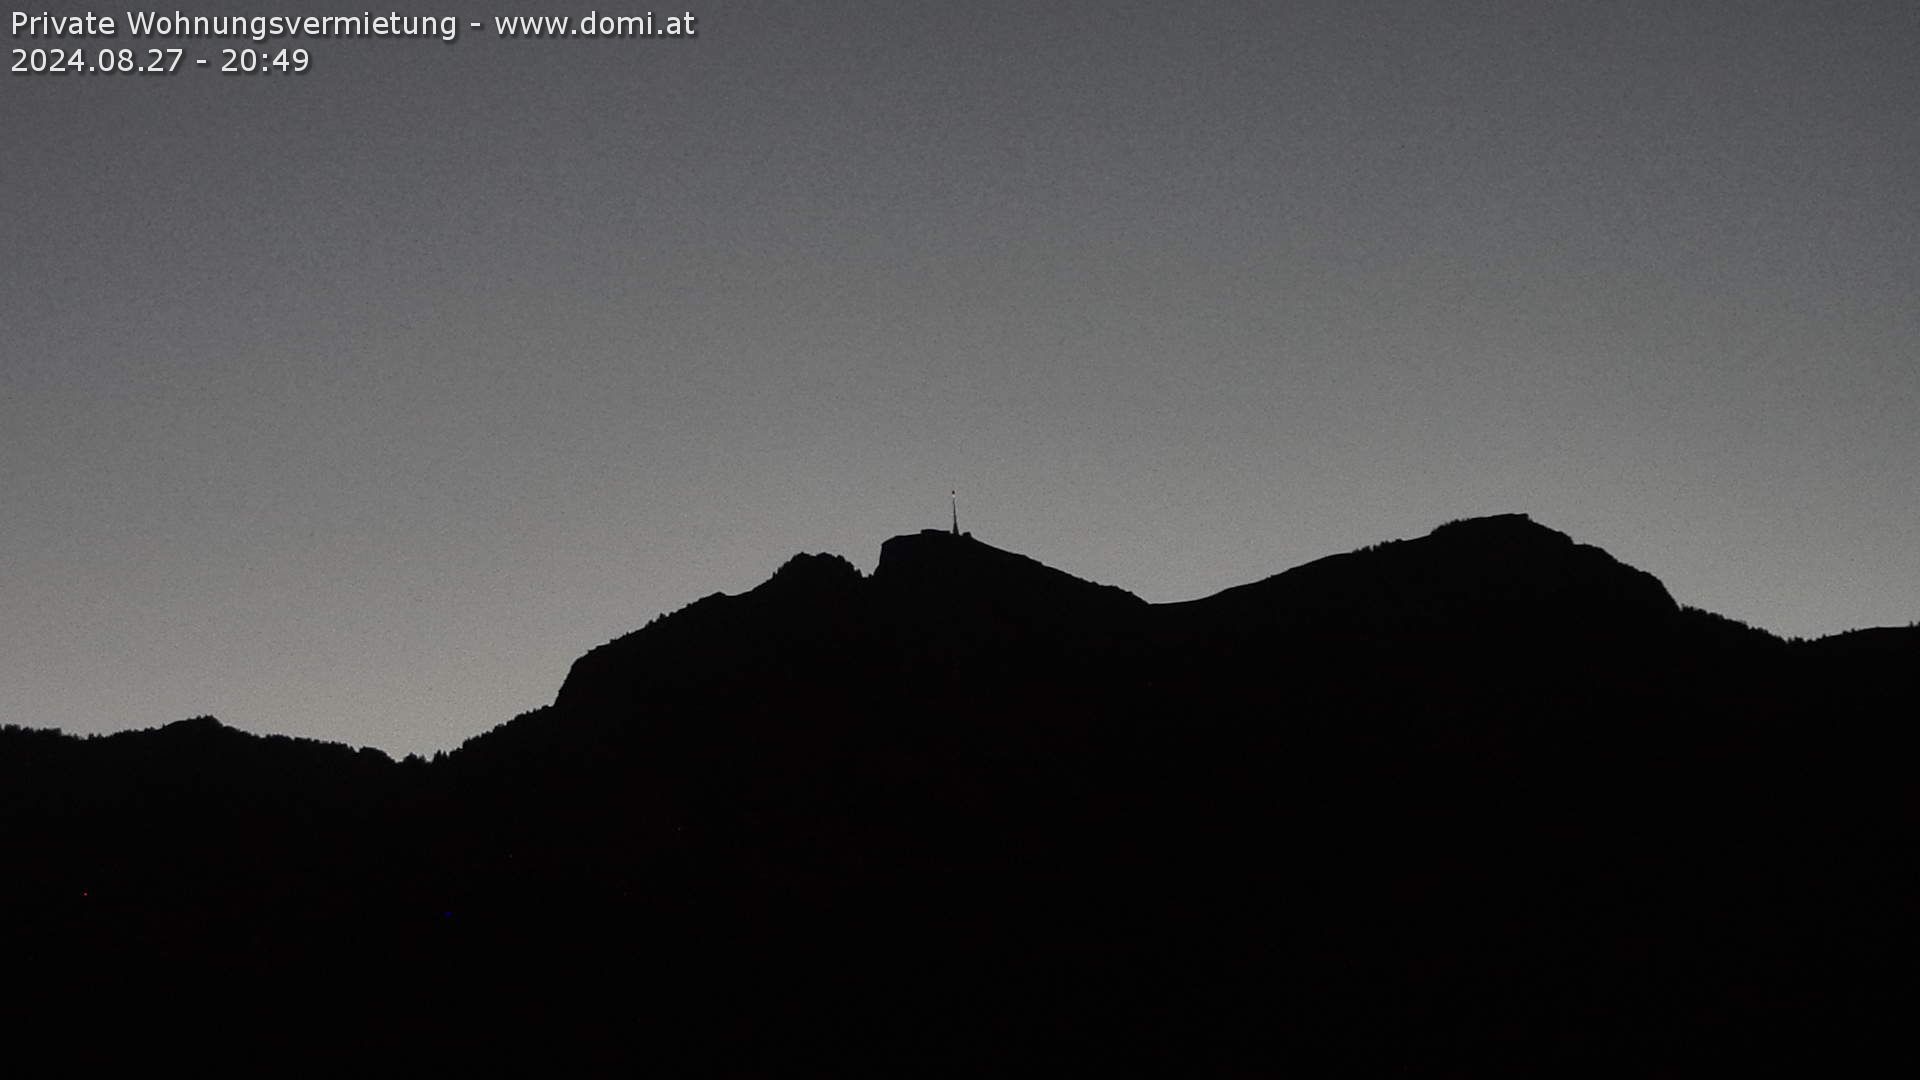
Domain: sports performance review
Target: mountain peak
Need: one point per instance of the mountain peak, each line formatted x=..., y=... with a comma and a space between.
x=1501, y=574
x=822, y=570
x=198, y=725
x=935, y=560
x=1511, y=524
x=929, y=547
x=1498, y=532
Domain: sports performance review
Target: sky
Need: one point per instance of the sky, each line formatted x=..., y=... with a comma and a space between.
x=356, y=404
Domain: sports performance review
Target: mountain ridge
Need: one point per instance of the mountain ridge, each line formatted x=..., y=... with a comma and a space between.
x=832, y=574
x=1481, y=796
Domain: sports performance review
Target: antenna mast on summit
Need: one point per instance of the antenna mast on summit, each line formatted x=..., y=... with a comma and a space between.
x=956, y=511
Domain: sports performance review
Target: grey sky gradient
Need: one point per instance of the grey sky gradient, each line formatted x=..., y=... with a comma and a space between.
x=358, y=404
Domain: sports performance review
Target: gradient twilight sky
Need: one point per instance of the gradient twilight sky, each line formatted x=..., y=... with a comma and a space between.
x=358, y=404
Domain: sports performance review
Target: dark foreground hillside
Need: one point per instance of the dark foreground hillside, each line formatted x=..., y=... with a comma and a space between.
x=1483, y=799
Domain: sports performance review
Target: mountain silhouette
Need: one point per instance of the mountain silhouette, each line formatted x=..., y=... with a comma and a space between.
x=1484, y=798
